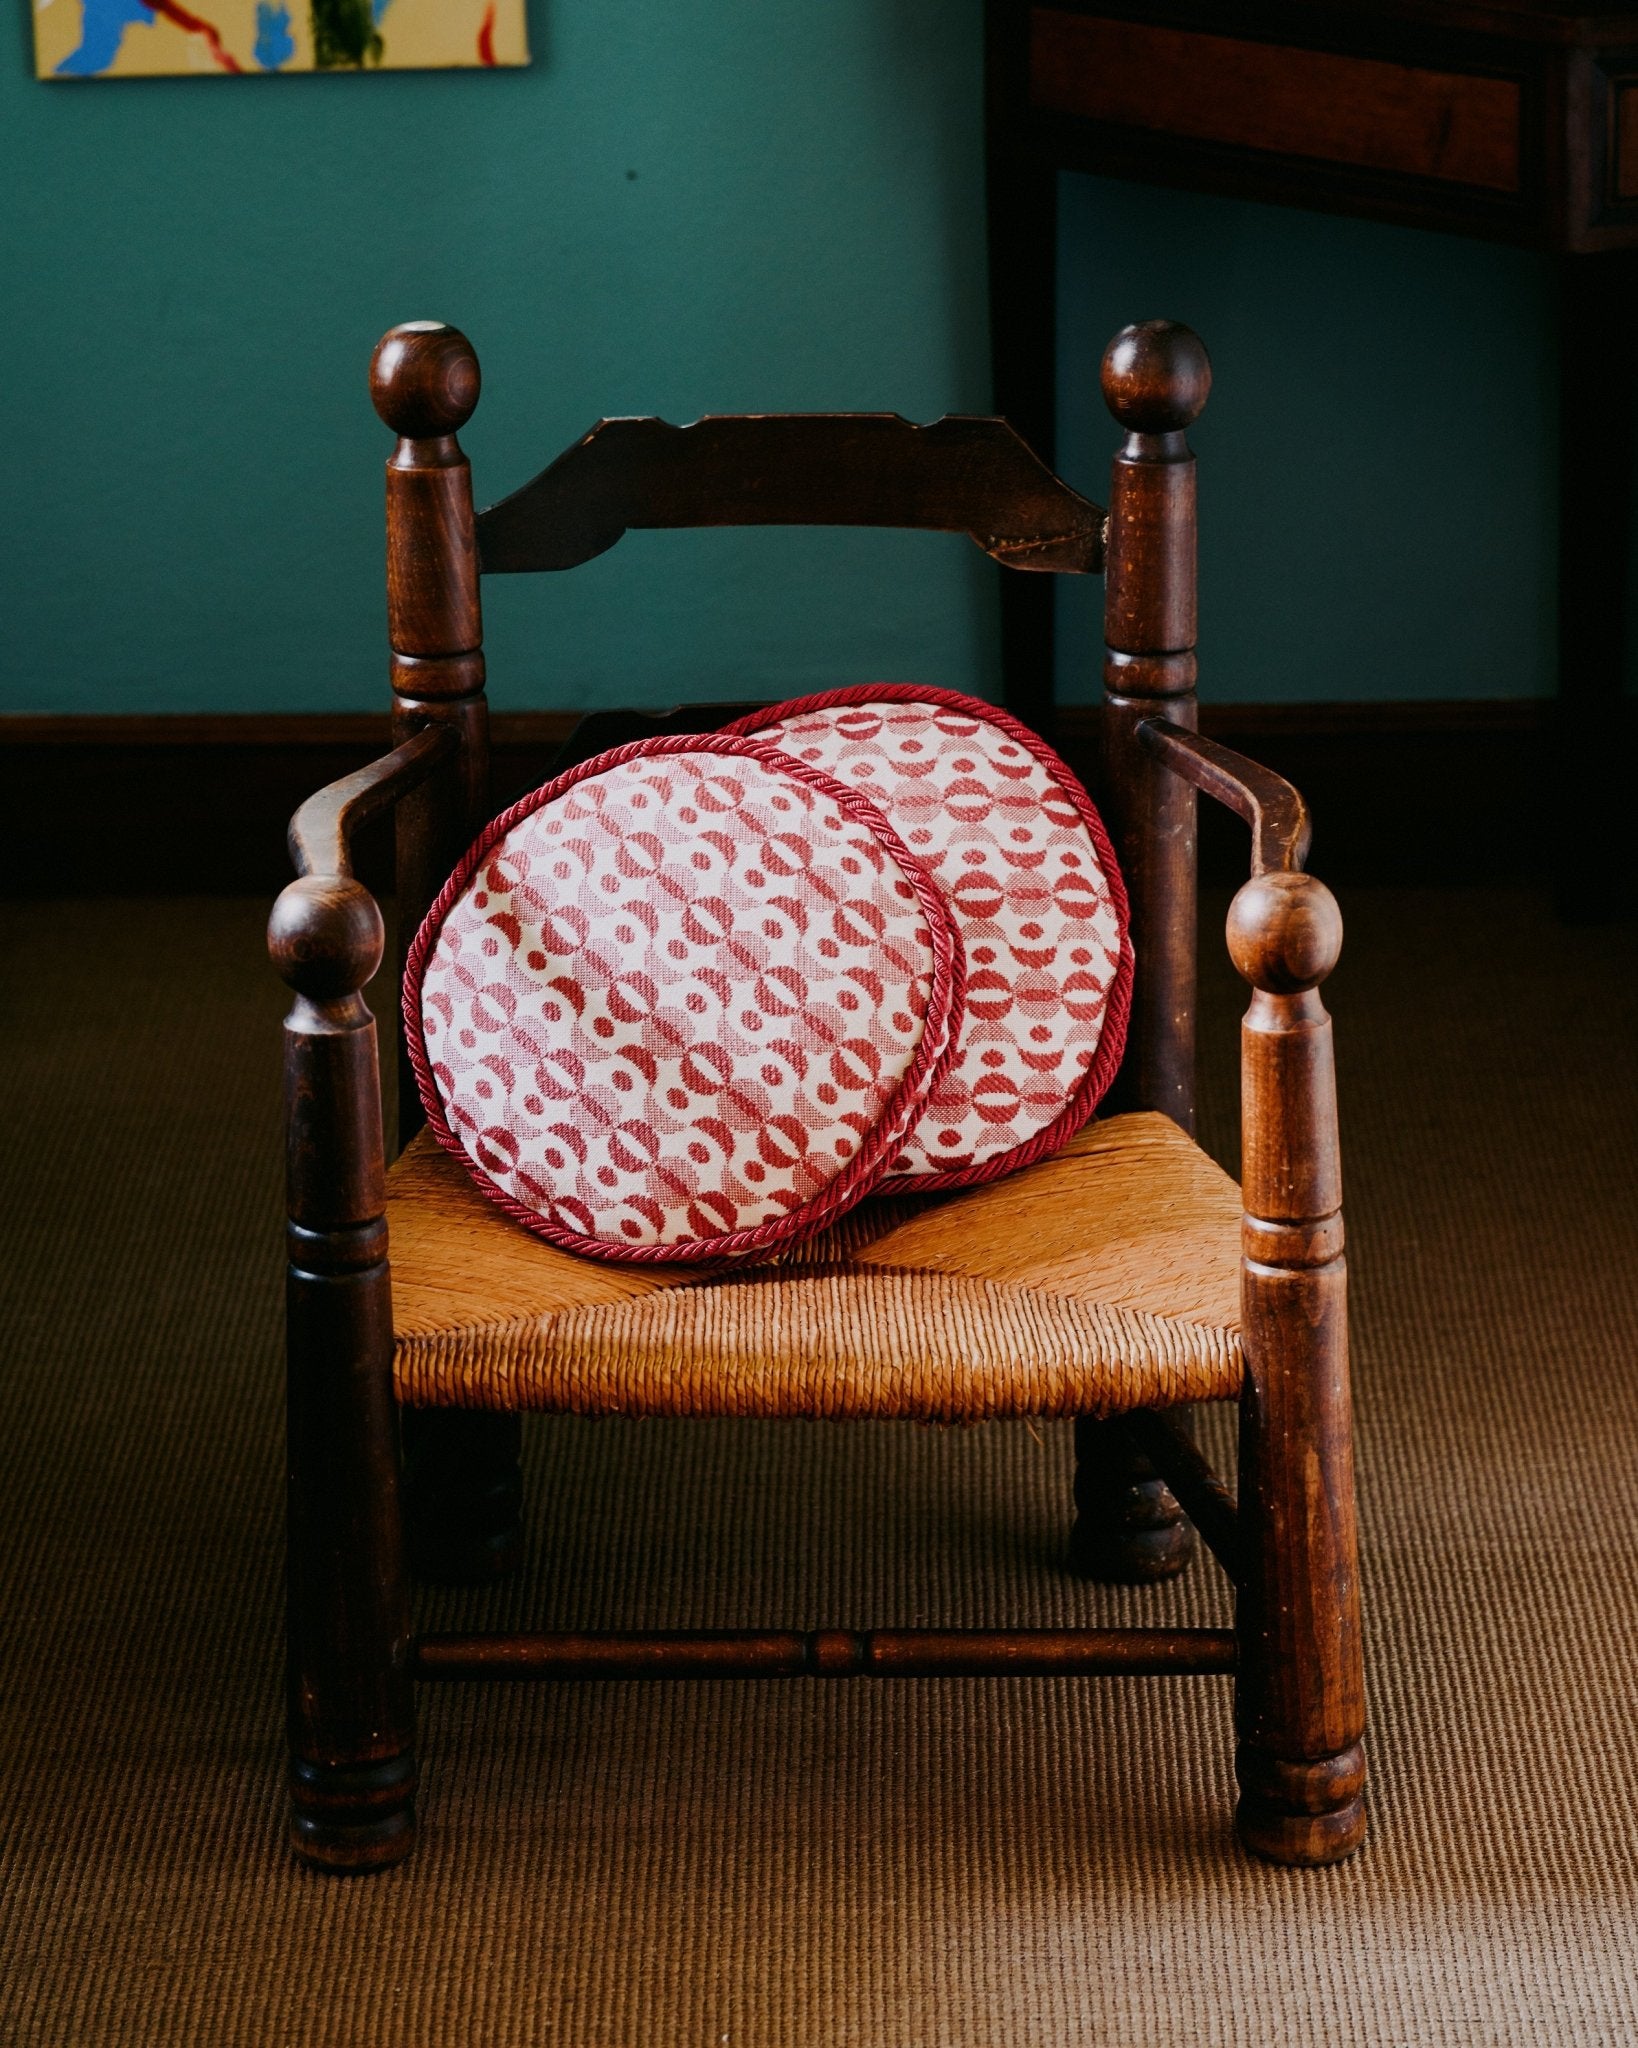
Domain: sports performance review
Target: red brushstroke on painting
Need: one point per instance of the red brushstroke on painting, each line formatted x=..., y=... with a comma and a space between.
x=486, y=39
x=197, y=26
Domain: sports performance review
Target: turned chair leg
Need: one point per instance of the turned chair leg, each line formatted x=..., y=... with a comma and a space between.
x=1128, y=1529
x=352, y=1754
x=1300, y=1689
x=463, y=1494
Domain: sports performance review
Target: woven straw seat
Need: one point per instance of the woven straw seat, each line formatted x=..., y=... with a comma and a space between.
x=1103, y=1279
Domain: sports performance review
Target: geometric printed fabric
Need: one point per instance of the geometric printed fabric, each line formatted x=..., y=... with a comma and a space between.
x=1007, y=831
x=683, y=1003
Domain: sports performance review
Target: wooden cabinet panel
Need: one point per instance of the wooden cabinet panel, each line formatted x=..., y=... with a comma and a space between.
x=1344, y=109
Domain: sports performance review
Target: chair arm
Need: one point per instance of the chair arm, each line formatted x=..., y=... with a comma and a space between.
x=325, y=935
x=320, y=836
x=1276, y=813
x=1299, y=1705
x=326, y=938
x=1284, y=928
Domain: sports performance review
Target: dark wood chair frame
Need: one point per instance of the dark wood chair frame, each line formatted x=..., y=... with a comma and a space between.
x=1288, y=1545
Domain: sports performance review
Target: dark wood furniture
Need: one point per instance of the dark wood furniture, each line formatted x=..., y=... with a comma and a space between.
x=1508, y=119
x=1289, y=1542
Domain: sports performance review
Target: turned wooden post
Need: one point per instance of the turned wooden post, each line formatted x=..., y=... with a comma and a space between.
x=352, y=1770
x=424, y=381
x=463, y=1486
x=1300, y=1690
x=1156, y=378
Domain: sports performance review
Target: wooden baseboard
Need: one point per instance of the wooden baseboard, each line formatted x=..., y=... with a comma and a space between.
x=1401, y=793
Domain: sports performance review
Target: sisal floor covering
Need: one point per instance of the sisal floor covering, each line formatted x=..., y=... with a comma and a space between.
x=893, y=1866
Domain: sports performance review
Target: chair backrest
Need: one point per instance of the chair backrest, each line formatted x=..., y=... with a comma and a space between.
x=959, y=474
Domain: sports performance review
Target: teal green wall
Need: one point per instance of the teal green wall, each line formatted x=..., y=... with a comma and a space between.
x=1377, y=459
x=685, y=206
x=693, y=205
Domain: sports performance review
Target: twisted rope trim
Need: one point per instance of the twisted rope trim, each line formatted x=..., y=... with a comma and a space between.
x=928, y=1065
x=1106, y=1057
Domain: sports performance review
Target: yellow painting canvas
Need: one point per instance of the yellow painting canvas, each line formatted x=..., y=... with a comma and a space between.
x=214, y=38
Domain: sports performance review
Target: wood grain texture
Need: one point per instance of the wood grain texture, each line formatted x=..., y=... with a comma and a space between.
x=350, y=1711
x=1156, y=377
x=425, y=380
x=1292, y=1547
x=956, y=475
x=1155, y=380
x=1280, y=825
x=463, y=1487
x=832, y=1653
x=432, y=577
x=1406, y=118
x=1553, y=24
x=320, y=838
x=1300, y=1701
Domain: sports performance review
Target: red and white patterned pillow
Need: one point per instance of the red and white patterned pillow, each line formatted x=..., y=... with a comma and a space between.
x=1007, y=831
x=684, y=1002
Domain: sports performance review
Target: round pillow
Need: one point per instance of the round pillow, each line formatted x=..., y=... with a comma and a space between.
x=682, y=1003
x=1006, y=830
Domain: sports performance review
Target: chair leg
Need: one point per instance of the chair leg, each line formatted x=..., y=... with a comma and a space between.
x=1300, y=1687
x=1128, y=1529
x=352, y=1756
x=1300, y=1700
x=351, y=1709
x=463, y=1494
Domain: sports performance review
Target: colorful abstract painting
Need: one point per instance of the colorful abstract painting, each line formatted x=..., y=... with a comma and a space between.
x=212, y=38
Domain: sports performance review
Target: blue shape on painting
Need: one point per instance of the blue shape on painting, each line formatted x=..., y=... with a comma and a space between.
x=102, y=29
x=378, y=8
x=275, y=45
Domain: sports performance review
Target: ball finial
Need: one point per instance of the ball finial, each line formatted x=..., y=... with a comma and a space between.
x=424, y=379
x=1156, y=377
x=325, y=936
x=1284, y=932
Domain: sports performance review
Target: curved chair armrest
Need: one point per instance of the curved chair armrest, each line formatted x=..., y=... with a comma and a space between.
x=1300, y=1705
x=1276, y=813
x=320, y=836
x=325, y=935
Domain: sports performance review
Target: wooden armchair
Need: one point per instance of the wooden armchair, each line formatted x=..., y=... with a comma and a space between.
x=1115, y=1282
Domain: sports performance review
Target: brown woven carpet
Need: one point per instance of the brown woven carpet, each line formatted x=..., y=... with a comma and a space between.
x=897, y=1864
